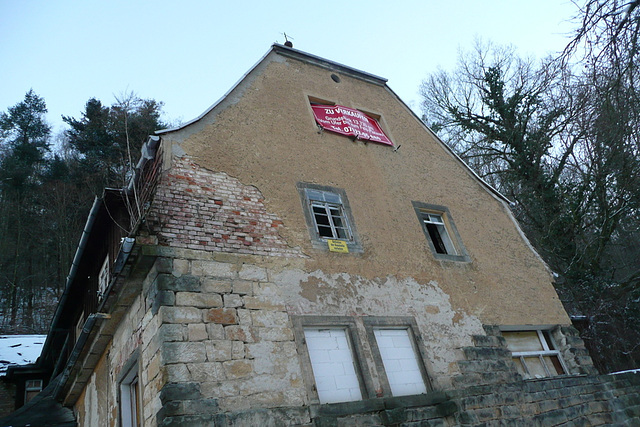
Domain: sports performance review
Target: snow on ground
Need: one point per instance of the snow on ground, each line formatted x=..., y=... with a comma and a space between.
x=19, y=350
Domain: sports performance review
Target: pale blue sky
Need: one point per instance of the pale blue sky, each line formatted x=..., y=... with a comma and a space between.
x=189, y=53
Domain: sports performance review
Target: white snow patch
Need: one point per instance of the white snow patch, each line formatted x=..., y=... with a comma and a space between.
x=635, y=371
x=19, y=350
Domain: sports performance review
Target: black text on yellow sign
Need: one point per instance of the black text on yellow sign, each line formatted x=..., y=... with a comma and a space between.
x=339, y=246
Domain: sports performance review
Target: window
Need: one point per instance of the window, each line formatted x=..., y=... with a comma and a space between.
x=397, y=355
x=328, y=216
x=333, y=367
x=330, y=348
x=438, y=233
x=330, y=352
x=31, y=389
x=130, y=398
x=103, y=279
x=441, y=233
x=534, y=353
x=400, y=362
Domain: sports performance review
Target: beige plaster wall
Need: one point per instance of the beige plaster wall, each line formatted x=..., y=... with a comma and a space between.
x=264, y=135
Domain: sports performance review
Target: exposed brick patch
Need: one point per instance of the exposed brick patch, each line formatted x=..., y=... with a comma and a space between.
x=195, y=208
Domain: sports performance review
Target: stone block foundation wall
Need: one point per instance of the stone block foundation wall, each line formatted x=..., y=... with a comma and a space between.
x=223, y=348
x=227, y=357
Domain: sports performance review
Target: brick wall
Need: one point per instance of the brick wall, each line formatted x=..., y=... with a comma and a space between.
x=198, y=209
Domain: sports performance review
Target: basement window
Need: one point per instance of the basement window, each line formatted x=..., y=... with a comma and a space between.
x=441, y=233
x=328, y=217
x=534, y=353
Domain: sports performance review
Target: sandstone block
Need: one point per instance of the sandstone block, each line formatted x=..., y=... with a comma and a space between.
x=255, y=303
x=180, y=314
x=215, y=331
x=232, y=300
x=275, y=334
x=223, y=316
x=235, y=369
x=216, y=285
x=240, y=333
x=213, y=269
x=198, y=299
x=243, y=287
x=197, y=332
x=269, y=318
x=172, y=332
x=253, y=272
x=218, y=350
x=181, y=267
x=207, y=371
x=184, y=352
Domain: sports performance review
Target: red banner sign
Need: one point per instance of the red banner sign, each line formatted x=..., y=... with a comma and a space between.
x=350, y=122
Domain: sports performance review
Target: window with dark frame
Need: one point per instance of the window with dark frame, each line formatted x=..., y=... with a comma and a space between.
x=534, y=353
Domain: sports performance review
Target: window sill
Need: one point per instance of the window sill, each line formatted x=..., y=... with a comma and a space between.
x=434, y=398
x=452, y=258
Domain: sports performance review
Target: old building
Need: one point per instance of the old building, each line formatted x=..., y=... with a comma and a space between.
x=307, y=252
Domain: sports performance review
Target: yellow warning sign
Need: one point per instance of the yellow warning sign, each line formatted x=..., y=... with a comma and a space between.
x=338, y=246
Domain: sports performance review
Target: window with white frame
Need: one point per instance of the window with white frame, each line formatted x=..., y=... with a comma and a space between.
x=130, y=413
x=440, y=231
x=333, y=365
x=103, y=279
x=328, y=216
x=534, y=353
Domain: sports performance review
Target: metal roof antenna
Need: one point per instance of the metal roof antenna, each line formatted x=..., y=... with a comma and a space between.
x=287, y=42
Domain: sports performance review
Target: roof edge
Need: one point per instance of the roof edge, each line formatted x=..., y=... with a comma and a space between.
x=290, y=53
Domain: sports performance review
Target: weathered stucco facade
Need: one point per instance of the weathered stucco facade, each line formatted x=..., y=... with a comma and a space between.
x=212, y=310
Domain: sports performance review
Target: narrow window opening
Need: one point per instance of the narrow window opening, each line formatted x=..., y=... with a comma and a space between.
x=130, y=399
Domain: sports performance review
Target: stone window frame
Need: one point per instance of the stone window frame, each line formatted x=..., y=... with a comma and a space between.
x=393, y=322
x=318, y=242
x=421, y=209
x=549, y=344
x=129, y=374
x=331, y=322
